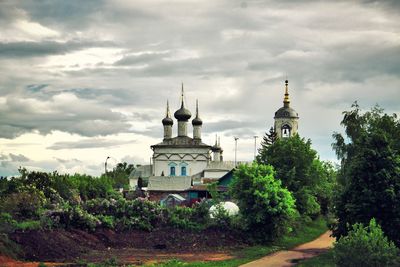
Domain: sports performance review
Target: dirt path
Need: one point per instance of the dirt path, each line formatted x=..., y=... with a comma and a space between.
x=286, y=258
x=9, y=262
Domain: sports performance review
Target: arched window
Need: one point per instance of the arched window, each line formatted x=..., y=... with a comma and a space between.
x=184, y=167
x=172, y=168
x=172, y=171
x=285, y=130
x=183, y=171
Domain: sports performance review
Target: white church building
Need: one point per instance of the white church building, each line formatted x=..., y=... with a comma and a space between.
x=181, y=163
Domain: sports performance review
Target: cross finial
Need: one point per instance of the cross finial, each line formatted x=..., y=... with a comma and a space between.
x=286, y=100
x=168, y=114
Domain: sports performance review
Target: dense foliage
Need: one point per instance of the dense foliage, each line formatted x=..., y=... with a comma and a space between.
x=266, y=207
x=370, y=171
x=298, y=167
x=51, y=200
x=365, y=246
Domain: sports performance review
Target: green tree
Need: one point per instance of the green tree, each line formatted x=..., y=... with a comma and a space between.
x=120, y=174
x=370, y=171
x=266, y=207
x=301, y=171
x=268, y=139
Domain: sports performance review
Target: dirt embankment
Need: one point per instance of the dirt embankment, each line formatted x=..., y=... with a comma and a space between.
x=128, y=247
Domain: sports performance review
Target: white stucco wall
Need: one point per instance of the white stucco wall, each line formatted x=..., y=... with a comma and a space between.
x=195, y=158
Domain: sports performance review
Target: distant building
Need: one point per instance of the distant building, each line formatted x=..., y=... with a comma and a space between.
x=181, y=162
x=286, y=118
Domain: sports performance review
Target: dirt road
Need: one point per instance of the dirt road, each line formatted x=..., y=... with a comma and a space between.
x=286, y=258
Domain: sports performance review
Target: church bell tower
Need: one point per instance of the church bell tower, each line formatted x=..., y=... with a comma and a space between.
x=286, y=118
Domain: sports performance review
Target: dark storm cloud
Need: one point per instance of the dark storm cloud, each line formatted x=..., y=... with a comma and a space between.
x=45, y=48
x=89, y=143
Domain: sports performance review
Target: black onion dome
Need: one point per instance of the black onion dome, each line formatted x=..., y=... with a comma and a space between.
x=182, y=114
x=167, y=121
x=286, y=112
x=197, y=121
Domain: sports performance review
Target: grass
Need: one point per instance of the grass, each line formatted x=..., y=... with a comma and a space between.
x=325, y=260
x=28, y=225
x=307, y=233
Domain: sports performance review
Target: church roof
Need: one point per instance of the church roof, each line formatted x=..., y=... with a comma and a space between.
x=143, y=171
x=181, y=141
x=169, y=183
x=286, y=112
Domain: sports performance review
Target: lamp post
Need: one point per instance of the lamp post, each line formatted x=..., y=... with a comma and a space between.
x=255, y=146
x=105, y=166
x=236, y=138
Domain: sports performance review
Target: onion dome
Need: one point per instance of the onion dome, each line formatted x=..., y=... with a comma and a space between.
x=197, y=121
x=167, y=120
x=182, y=114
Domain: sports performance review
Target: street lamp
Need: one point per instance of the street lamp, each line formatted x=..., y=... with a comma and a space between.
x=236, y=138
x=105, y=166
x=255, y=146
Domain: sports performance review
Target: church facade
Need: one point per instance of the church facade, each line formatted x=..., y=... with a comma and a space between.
x=182, y=164
x=181, y=155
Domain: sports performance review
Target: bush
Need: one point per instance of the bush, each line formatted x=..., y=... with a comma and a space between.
x=220, y=217
x=181, y=217
x=366, y=246
x=23, y=205
x=70, y=217
x=125, y=214
x=266, y=208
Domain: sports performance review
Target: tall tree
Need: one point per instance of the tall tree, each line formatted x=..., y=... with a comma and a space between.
x=370, y=171
x=301, y=171
x=268, y=139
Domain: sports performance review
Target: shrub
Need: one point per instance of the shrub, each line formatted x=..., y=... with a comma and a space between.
x=181, y=217
x=70, y=217
x=266, y=207
x=23, y=205
x=220, y=217
x=366, y=246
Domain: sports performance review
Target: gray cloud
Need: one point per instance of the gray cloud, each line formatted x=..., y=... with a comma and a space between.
x=18, y=158
x=89, y=143
x=46, y=48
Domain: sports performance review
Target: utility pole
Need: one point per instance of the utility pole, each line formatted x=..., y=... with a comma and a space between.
x=255, y=146
x=236, y=138
x=105, y=166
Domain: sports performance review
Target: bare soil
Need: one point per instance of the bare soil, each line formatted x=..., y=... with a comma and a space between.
x=133, y=247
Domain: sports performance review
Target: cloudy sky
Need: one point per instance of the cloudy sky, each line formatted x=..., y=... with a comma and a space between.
x=83, y=80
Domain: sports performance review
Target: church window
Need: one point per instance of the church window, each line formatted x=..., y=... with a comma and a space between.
x=172, y=171
x=183, y=166
x=183, y=171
